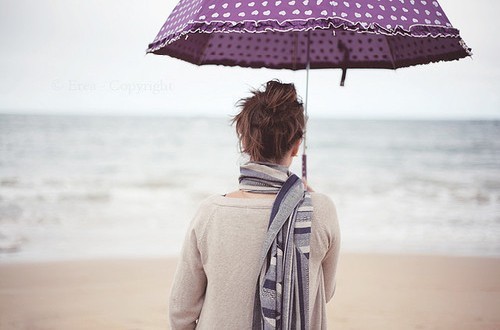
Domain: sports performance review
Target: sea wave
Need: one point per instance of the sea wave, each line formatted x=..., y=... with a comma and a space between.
x=75, y=187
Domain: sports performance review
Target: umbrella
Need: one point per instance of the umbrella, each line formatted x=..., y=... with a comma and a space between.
x=309, y=34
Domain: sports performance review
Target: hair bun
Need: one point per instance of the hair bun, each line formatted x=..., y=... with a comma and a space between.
x=270, y=121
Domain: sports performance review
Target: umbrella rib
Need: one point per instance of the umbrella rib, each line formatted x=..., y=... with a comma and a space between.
x=392, y=52
x=202, y=57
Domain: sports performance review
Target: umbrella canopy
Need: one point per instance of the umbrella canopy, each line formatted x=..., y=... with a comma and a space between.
x=293, y=34
x=324, y=34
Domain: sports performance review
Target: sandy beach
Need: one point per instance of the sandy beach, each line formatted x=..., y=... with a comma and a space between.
x=373, y=292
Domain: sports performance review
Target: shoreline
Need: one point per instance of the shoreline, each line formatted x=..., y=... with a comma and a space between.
x=374, y=291
x=173, y=257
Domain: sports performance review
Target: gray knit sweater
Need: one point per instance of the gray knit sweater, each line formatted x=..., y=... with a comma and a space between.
x=215, y=281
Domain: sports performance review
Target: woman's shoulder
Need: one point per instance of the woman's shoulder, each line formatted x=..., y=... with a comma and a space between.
x=210, y=199
x=208, y=203
x=204, y=212
x=205, y=205
x=325, y=212
x=322, y=200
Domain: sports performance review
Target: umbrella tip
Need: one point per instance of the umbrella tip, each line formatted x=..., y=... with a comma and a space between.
x=342, y=79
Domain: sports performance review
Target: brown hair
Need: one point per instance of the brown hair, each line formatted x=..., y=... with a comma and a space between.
x=270, y=122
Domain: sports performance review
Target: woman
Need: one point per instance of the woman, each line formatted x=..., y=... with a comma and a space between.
x=264, y=256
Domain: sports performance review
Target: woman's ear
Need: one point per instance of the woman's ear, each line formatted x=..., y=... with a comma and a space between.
x=295, y=147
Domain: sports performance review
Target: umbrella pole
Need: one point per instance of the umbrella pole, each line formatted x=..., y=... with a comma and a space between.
x=304, y=142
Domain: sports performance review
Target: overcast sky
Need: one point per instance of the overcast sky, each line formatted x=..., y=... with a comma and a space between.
x=76, y=56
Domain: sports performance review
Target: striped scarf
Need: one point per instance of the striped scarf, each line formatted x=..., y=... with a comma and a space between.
x=282, y=294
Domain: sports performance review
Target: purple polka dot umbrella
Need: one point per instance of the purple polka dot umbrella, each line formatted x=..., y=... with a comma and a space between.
x=293, y=34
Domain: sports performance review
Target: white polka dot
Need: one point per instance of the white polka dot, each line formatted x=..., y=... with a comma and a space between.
x=380, y=17
x=224, y=5
x=382, y=7
x=368, y=15
x=264, y=3
x=358, y=15
x=242, y=14
x=277, y=3
x=370, y=6
x=296, y=12
x=346, y=4
x=251, y=4
x=267, y=13
x=318, y=2
x=358, y=5
x=324, y=13
x=334, y=3
x=308, y=12
x=255, y=12
x=282, y=13
x=237, y=5
x=343, y=14
x=226, y=15
x=211, y=7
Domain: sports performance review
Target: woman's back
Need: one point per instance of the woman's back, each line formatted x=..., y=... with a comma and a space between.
x=221, y=263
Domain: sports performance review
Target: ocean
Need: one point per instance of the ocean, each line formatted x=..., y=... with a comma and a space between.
x=76, y=187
